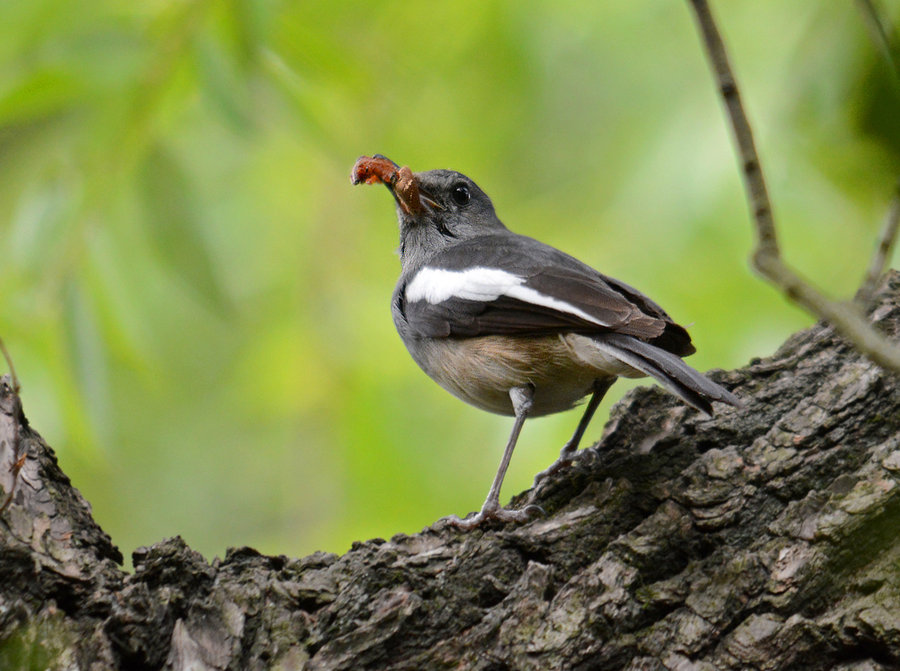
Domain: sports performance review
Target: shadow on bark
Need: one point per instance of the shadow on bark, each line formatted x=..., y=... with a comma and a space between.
x=765, y=538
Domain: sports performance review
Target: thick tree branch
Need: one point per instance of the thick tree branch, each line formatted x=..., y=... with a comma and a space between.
x=763, y=538
x=845, y=317
x=18, y=460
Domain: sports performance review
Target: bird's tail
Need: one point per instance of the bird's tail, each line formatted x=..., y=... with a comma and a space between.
x=670, y=371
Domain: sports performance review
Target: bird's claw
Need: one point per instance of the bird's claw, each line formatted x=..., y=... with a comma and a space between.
x=495, y=512
x=563, y=462
x=534, y=510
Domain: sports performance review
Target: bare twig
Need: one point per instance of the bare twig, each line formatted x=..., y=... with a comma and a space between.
x=880, y=35
x=883, y=42
x=883, y=252
x=846, y=319
x=12, y=369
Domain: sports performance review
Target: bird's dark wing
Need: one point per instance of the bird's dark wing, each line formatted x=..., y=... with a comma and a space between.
x=513, y=285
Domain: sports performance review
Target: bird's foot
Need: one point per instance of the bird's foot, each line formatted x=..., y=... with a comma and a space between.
x=566, y=457
x=492, y=511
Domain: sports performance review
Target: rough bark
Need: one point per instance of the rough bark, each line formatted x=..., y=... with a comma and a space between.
x=765, y=538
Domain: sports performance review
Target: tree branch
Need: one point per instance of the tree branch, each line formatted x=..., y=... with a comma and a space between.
x=886, y=239
x=9, y=364
x=880, y=36
x=883, y=252
x=762, y=538
x=846, y=318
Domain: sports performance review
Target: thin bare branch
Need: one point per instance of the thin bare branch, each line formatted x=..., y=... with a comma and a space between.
x=846, y=319
x=883, y=251
x=880, y=35
x=12, y=369
x=883, y=42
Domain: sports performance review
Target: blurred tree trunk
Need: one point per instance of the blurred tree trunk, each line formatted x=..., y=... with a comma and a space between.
x=764, y=538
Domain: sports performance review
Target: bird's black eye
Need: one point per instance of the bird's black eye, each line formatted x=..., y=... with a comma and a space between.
x=460, y=194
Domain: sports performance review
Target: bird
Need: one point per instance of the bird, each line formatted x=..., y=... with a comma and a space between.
x=514, y=326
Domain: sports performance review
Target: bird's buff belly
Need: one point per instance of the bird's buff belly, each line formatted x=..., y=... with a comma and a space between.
x=481, y=371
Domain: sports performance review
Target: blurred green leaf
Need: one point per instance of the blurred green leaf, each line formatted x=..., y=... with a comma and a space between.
x=40, y=94
x=36, y=226
x=173, y=224
x=88, y=359
x=225, y=86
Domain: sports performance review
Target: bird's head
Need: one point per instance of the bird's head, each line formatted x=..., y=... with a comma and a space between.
x=435, y=208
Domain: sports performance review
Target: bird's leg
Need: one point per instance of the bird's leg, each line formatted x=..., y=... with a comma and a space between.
x=491, y=510
x=601, y=386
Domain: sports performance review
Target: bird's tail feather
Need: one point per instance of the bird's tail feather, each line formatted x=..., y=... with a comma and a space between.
x=670, y=371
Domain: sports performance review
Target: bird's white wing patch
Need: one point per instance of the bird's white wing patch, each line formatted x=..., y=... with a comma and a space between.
x=436, y=285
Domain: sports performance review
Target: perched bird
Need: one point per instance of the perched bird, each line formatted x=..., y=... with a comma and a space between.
x=514, y=326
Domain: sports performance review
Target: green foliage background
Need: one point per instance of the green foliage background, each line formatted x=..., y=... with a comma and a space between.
x=197, y=300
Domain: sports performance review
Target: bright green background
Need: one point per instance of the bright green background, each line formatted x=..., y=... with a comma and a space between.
x=197, y=300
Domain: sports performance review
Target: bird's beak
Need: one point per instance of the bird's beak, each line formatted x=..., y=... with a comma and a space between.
x=428, y=201
x=402, y=182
